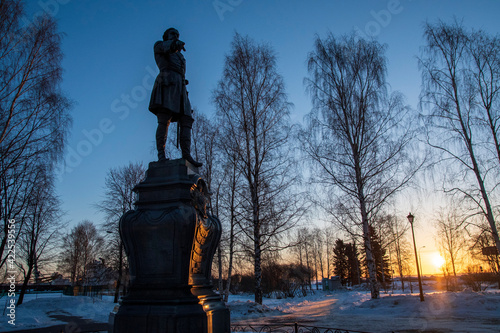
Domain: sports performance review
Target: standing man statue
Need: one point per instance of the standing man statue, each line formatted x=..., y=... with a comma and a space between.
x=169, y=98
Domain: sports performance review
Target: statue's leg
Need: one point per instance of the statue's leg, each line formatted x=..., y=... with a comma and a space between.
x=186, y=123
x=161, y=134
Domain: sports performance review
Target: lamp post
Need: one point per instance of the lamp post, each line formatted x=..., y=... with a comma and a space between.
x=420, y=258
x=410, y=219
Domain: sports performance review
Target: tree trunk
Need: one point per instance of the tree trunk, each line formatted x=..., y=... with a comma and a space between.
x=256, y=239
x=321, y=263
x=120, y=275
x=230, y=268
x=400, y=264
x=25, y=285
x=300, y=255
x=467, y=137
x=370, y=262
x=231, y=233
x=231, y=240
x=489, y=212
x=308, y=268
x=327, y=257
x=484, y=193
x=316, y=269
x=257, y=266
x=219, y=260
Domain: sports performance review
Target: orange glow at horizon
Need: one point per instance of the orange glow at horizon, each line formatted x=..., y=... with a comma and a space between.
x=431, y=263
x=437, y=260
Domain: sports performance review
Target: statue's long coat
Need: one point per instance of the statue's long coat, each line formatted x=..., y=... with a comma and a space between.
x=169, y=90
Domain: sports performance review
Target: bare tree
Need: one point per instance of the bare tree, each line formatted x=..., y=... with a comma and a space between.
x=253, y=110
x=479, y=240
x=451, y=235
x=305, y=241
x=34, y=119
x=318, y=248
x=80, y=247
x=302, y=247
x=357, y=133
x=328, y=234
x=42, y=224
x=397, y=229
x=484, y=51
x=232, y=208
x=119, y=199
x=205, y=138
x=450, y=89
x=16, y=186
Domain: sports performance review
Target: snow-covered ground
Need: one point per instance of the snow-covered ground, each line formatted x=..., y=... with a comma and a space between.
x=464, y=311
x=354, y=310
x=36, y=309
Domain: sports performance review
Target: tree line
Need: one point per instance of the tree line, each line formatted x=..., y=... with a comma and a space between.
x=360, y=147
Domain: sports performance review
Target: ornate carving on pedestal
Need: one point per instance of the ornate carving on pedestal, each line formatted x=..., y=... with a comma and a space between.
x=206, y=238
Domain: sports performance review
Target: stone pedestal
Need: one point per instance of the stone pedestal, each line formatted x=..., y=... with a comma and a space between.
x=158, y=237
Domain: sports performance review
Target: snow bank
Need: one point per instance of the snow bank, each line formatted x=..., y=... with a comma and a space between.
x=37, y=309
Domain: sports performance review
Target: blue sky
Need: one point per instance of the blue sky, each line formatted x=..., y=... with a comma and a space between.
x=109, y=66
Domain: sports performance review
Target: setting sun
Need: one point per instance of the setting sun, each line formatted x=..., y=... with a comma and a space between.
x=437, y=260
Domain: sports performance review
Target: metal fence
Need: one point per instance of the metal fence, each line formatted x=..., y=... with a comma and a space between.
x=265, y=328
x=92, y=291
x=288, y=328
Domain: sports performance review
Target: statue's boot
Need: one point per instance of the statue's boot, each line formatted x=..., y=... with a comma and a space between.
x=185, y=143
x=161, y=139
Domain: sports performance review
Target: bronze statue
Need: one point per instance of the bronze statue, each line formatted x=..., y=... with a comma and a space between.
x=169, y=98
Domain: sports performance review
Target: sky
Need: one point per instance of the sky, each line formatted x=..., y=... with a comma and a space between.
x=109, y=67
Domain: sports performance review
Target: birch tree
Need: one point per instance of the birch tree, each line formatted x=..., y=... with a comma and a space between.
x=460, y=96
x=80, y=247
x=357, y=133
x=451, y=235
x=253, y=111
x=42, y=222
x=232, y=211
x=34, y=113
x=397, y=229
x=119, y=199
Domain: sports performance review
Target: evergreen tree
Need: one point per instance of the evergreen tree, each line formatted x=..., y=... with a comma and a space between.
x=354, y=270
x=340, y=261
x=380, y=257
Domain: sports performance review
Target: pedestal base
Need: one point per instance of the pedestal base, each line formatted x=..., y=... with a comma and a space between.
x=150, y=318
x=218, y=316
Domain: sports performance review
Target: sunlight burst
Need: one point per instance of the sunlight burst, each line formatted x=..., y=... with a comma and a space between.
x=437, y=260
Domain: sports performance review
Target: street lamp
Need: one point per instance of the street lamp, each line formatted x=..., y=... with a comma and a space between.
x=420, y=258
x=410, y=219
